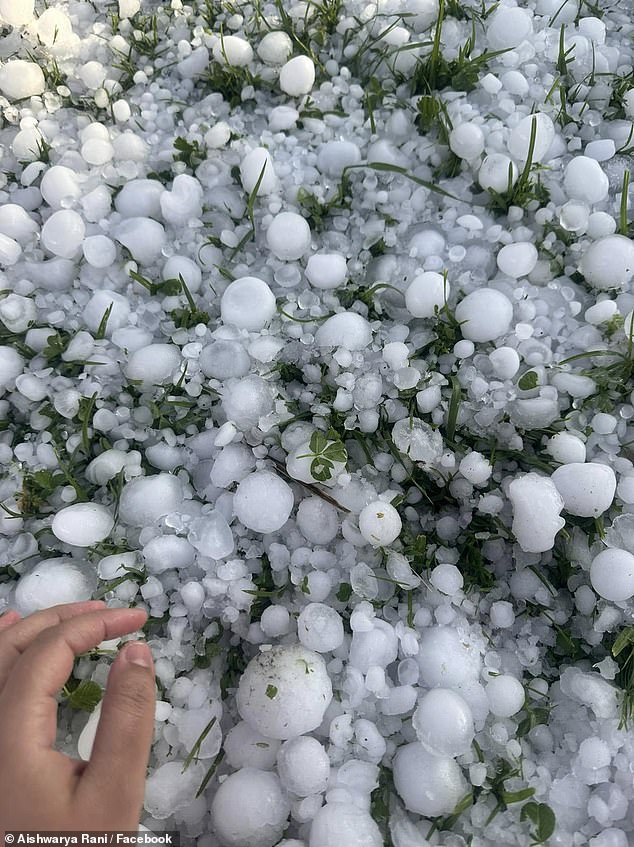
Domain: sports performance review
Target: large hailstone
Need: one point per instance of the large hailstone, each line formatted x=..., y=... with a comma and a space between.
x=248, y=303
x=246, y=401
x=428, y=785
x=82, y=524
x=171, y=788
x=288, y=236
x=257, y=169
x=537, y=506
x=505, y=694
x=587, y=488
x=446, y=659
x=232, y=50
x=11, y=366
x=155, y=364
x=297, y=76
x=612, y=575
x=427, y=293
x=585, y=180
x=20, y=79
x=144, y=501
x=303, y=766
x=520, y=137
x=443, y=723
x=52, y=582
x=245, y=747
x=380, y=524
x=608, y=262
x=484, y=315
x=320, y=628
x=284, y=692
x=263, y=502
x=345, y=329
x=339, y=824
x=299, y=465
x=250, y=808
x=17, y=12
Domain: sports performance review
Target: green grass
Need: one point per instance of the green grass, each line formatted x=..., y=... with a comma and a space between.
x=527, y=188
x=623, y=653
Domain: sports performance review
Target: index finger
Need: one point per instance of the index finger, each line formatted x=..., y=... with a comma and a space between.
x=28, y=704
x=16, y=636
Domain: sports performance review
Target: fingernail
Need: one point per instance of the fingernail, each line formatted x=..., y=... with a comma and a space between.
x=138, y=653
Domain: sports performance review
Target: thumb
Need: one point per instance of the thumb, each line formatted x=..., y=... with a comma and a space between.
x=117, y=769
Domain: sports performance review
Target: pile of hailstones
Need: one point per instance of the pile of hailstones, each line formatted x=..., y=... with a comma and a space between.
x=176, y=462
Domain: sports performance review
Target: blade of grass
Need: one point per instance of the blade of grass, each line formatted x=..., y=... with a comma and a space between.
x=193, y=754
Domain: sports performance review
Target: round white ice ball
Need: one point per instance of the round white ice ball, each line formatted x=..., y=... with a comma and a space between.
x=608, y=262
x=585, y=179
x=263, y=502
x=232, y=50
x=520, y=137
x=144, y=501
x=326, y=270
x=466, y=140
x=303, y=766
x=446, y=659
x=275, y=48
x=345, y=329
x=297, y=77
x=380, y=524
x=53, y=582
x=497, y=172
x=587, y=488
x=517, y=259
x=320, y=628
x=155, y=364
x=288, y=236
x=284, y=692
x=443, y=723
x=82, y=524
x=250, y=808
x=337, y=824
x=612, y=574
x=428, y=785
x=248, y=303
x=11, y=366
x=427, y=293
x=485, y=314
x=505, y=694
x=244, y=746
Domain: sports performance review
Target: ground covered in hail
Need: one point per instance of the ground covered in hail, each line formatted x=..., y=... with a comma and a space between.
x=316, y=342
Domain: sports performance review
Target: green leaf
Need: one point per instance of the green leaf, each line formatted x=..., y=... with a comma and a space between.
x=344, y=593
x=528, y=381
x=193, y=754
x=212, y=770
x=321, y=469
x=624, y=640
x=318, y=442
x=336, y=452
x=543, y=819
x=271, y=691
x=101, y=329
x=86, y=696
x=517, y=796
x=454, y=407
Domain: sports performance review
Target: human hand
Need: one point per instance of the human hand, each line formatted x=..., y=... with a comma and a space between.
x=41, y=788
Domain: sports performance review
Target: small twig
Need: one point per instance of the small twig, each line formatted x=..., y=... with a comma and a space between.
x=281, y=470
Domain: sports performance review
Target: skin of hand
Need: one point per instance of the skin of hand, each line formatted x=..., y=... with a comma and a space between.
x=41, y=788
